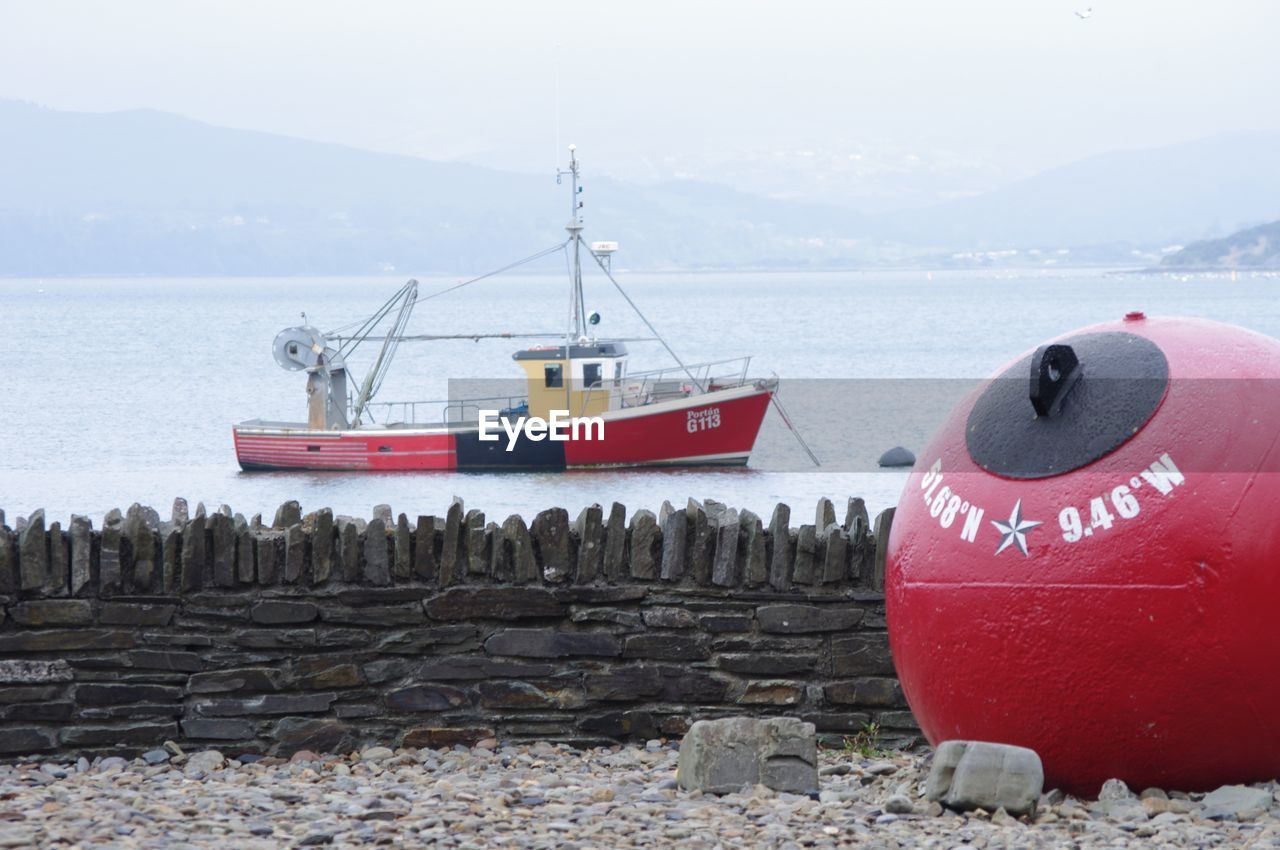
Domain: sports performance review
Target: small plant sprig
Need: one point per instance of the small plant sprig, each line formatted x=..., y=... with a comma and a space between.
x=865, y=741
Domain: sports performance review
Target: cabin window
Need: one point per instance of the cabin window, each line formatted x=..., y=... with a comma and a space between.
x=555, y=378
x=591, y=374
x=617, y=371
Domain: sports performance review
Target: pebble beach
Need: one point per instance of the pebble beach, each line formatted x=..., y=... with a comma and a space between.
x=551, y=796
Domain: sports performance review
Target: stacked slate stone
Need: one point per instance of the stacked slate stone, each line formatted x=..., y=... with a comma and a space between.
x=324, y=633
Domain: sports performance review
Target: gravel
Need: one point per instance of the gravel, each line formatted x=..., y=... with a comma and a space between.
x=545, y=795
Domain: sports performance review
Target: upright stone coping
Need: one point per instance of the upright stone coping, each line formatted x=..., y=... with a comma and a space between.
x=322, y=632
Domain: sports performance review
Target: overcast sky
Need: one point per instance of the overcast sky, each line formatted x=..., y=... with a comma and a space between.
x=1015, y=84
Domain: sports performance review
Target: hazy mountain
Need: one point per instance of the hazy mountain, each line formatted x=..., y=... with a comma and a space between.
x=1150, y=197
x=144, y=192
x=1255, y=248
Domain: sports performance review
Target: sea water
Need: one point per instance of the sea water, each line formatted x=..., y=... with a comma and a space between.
x=124, y=390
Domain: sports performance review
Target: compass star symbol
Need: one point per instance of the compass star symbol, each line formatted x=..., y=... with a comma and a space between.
x=1015, y=530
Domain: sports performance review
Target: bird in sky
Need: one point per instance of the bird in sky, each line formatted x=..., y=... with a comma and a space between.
x=1085, y=14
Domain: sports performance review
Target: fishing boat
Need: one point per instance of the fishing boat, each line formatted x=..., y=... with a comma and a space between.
x=584, y=407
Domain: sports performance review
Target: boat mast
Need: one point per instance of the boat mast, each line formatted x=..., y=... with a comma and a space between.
x=578, y=324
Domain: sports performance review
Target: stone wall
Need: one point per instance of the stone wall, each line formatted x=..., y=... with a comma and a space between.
x=326, y=633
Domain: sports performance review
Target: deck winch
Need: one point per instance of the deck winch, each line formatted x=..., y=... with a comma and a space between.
x=1086, y=561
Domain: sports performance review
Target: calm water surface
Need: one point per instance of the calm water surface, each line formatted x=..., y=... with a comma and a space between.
x=119, y=390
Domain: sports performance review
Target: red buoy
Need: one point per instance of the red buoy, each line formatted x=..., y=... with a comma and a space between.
x=1086, y=559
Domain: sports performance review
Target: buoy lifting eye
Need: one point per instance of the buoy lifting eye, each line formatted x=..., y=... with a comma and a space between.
x=1055, y=369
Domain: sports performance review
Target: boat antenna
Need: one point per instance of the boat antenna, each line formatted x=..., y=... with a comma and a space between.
x=555, y=88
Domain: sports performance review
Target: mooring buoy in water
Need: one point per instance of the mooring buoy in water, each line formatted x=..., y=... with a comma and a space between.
x=897, y=456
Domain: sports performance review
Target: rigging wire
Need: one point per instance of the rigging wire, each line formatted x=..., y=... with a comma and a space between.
x=647, y=323
x=479, y=336
x=373, y=381
x=382, y=312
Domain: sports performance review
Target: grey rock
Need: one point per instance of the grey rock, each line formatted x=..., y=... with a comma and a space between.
x=755, y=564
x=348, y=550
x=665, y=617
x=899, y=805
x=589, y=529
x=425, y=559
x=295, y=553
x=199, y=764
x=193, y=554
x=550, y=531
x=267, y=557
x=287, y=514
x=788, y=618
x=59, y=575
x=451, y=565
x=884, y=521
x=477, y=543
x=322, y=540
x=1115, y=789
x=515, y=535
x=33, y=553
x=171, y=569
x=615, y=543
x=179, y=515
x=1123, y=810
x=1235, y=800
x=646, y=545
x=223, y=535
x=724, y=570
x=835, y=558
x=970, y=775
x=825, y=515
x=110, y=563
x=721, y=756
x=780, y=554
x=155, y=756
x=806, y=555
x=29, y=672
x=9, y=578
x=675, y=535
x=856, y=517
x=245, y=562
x=500, y=568
x=402, y=566
x=702, y=542
x=376, y=566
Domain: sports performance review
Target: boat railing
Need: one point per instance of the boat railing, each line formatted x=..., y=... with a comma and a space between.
x=451, y=411
x=634, y=389
x=640, y=388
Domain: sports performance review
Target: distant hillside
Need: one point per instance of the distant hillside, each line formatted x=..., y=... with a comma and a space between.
x=1154, y=197
x=150, y=193
x=145, y=192
x=1255, y=248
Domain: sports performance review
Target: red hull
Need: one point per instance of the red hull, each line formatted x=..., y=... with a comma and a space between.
x=717, y=428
